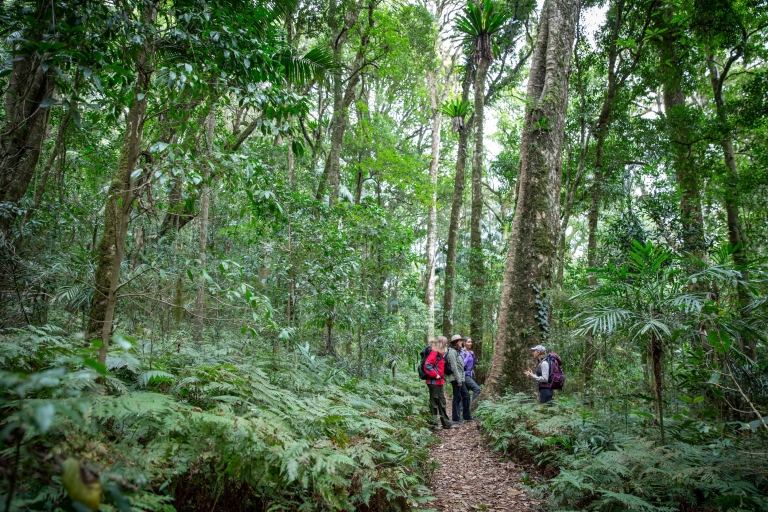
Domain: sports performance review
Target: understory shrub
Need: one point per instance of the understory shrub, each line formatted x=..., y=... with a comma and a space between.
x=206, y=428
x=610, y=459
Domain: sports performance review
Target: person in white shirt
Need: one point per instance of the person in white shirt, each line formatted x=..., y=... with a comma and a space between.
x=542, y=374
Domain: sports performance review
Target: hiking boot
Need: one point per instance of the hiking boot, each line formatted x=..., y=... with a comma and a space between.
x=459, y=421
x=471, y=419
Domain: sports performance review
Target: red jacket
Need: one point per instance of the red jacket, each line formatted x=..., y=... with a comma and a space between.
x=434, y=367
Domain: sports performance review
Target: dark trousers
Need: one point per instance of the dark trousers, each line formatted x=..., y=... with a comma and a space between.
x=460, y=400
x=437, y=405
x=545, y=395
x=472, y=386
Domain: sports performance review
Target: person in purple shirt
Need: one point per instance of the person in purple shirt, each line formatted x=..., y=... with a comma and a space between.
x=469, y=366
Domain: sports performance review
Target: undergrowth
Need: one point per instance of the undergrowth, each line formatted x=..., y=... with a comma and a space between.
x=207, y=428
x=610, y=459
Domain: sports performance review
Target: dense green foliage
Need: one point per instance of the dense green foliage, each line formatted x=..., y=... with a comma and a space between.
x=219, y=233
x=190, y=428
x=604, y=456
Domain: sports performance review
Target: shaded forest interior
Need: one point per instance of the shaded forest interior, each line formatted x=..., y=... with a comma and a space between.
x=227, y=230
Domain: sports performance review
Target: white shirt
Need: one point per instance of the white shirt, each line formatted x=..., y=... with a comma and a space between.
x=544, y=372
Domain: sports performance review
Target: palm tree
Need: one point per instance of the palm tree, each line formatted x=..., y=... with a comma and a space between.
x=652, y=299
x=478, y=24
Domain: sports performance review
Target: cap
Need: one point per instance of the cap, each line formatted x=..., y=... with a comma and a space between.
x=540, y=348
x=456, y=337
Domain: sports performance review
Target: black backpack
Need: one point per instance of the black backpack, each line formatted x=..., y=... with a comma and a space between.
x=448, y=367
x=424, y=354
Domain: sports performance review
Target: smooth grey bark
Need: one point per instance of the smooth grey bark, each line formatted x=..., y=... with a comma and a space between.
x=205, y=202
x=533, y=242
x=111, y=248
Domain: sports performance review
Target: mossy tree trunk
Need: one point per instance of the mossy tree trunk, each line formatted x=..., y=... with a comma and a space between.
x=679, y=133
x=111, y=248
x=533, y=242
x=453, y=228
x=476, y=263
x=23, y=131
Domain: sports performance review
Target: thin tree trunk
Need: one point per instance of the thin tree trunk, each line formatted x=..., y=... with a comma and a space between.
x=434, y=163
x=686, y=174
x=23, y=132
x=476, y=264
x=569, y=200
x=453, y=229
x=656, y=363
x=533, y=243
x=111, y=249
x=732, y=194
x=205, y=201
x=342, y=98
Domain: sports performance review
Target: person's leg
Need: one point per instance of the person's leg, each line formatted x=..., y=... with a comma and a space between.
x=434, y=413
x=441, y=408
x=545, y=395
x=456, y=403
x=472, y=386
x=465, y=402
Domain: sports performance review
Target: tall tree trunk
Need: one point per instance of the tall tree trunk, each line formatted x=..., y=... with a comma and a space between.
x=342, y=97
x=731, y=192
x=686, y=174
x=205, y=203
x=476, y=264
x=658, y=384
x=23, y=132
x=111, y=248
x=533, y=243
x=434, y=163
x=453, y=228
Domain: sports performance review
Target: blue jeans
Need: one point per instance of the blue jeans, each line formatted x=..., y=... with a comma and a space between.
x=460, y=400
x=472, y=386
x=545, y=395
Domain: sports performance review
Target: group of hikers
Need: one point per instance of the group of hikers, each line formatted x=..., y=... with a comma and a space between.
x=455, y=361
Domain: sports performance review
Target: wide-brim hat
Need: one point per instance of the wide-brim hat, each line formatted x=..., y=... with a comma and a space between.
x=457, y=337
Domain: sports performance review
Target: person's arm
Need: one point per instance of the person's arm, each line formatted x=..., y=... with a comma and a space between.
x=430, y=365
x=458, y=373
x=544, y=373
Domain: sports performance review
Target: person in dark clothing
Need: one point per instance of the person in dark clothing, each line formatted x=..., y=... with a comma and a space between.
x=542, y=374
x=434, y=367
x=456, y=378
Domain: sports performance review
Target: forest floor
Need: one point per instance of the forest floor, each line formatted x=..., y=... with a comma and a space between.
x=472, y=477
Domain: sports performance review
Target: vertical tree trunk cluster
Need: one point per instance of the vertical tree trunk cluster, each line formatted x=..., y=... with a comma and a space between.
x=23, y=132
x=533, y=243
x=111, y=248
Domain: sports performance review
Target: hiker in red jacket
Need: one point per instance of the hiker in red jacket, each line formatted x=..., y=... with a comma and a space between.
x=434, y=367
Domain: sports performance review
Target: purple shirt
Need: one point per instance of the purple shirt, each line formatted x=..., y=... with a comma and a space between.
x=469, y=361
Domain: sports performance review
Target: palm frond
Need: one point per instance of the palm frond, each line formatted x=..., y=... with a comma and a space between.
x=313, y=66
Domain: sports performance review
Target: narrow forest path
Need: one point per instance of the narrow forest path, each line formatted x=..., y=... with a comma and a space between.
x=472, y=477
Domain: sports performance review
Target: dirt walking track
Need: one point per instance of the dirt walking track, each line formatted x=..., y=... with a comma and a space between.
x=472, y=477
